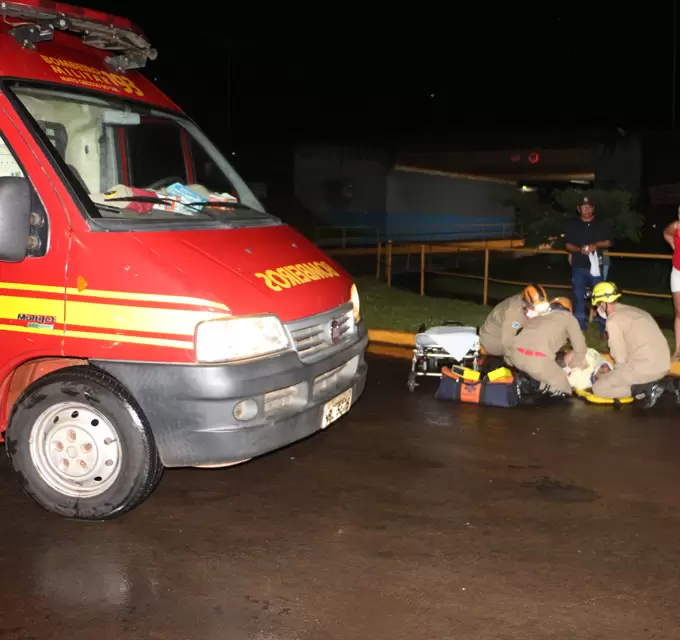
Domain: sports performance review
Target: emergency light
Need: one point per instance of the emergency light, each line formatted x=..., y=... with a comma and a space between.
x=39, y=19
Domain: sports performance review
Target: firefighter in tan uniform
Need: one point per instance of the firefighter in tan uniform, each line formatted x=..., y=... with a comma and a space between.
x=497, y=333
x=537, y=345
x=637, y=346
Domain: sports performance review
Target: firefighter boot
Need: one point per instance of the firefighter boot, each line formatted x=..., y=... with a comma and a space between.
x=526, y=387
x=649, y=393
x=553, y=393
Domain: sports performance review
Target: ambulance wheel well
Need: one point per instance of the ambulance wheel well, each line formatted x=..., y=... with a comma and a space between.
x=24, y=375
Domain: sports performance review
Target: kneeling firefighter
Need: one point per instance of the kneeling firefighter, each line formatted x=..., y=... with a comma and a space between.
x=637, y=346
x=498, y=332
x=536, y=347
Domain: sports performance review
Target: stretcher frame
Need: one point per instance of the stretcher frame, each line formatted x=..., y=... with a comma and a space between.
x=426, y=358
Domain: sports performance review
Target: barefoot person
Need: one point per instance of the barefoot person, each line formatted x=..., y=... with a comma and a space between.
x=671, y=235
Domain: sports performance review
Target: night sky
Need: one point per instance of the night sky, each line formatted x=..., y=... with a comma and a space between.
x=421, y=74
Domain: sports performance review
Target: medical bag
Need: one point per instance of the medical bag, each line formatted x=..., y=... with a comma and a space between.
x=496, y=389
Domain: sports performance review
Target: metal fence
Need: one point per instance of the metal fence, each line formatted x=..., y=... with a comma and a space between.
x=342, y=237
x=420, y=256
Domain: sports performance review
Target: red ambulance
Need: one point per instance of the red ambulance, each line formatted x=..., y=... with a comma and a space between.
x=152, y=313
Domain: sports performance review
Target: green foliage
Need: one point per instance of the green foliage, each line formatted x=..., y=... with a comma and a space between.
x=399, y=310
x=543, y=217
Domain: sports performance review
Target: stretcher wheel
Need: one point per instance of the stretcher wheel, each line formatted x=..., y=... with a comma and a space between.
x=412, y=384
x=593, y=399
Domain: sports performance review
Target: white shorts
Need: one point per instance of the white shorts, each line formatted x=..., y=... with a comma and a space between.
x=675, y=281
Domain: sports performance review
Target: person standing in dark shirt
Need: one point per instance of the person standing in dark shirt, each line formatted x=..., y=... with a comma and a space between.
x=585, y=240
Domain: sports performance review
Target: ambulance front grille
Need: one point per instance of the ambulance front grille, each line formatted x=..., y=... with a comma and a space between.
x=312, y=336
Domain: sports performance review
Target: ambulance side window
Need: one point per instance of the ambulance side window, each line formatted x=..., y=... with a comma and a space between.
x=155, y=152
x=10, y=167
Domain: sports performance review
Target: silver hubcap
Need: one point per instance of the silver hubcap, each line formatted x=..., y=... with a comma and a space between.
x=76, y=450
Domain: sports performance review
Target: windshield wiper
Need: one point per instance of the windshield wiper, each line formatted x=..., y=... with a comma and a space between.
x=198, y=207
x=147, y=199
x=156, y=200
x=222, y=204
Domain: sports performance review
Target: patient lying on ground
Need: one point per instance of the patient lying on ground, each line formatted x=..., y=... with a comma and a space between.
x=596, y=365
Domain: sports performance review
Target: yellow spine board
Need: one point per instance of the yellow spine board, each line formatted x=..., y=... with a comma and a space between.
x=593, y=399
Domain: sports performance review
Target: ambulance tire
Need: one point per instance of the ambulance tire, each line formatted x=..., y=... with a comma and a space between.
x=87, y=391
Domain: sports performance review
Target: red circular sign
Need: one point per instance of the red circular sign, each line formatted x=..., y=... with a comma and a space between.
x=533, y=157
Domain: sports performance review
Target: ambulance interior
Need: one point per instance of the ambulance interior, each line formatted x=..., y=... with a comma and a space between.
x=115, y=149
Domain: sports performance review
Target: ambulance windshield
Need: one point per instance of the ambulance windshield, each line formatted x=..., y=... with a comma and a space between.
x=136, y=162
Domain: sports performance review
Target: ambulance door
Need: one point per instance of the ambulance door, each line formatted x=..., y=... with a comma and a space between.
x=32, y=278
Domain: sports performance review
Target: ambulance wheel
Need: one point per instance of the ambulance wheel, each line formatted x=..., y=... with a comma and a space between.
x=81, y=445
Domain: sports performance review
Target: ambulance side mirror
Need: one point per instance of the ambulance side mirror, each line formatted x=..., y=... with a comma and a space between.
x=15, y=218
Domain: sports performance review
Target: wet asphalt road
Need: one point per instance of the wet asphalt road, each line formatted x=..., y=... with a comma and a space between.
x=407, y=519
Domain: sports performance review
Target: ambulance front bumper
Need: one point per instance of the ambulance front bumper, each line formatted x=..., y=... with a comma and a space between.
x=212, y=415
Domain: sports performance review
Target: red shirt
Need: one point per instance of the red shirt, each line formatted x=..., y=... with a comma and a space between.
x=676, y=248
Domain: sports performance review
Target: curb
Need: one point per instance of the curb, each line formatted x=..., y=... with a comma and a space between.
x=392, y=338
x=400, y=344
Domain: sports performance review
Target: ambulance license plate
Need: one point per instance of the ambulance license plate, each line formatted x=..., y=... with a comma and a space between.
x=336, y=408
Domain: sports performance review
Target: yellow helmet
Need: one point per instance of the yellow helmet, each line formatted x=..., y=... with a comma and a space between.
x=605, y=292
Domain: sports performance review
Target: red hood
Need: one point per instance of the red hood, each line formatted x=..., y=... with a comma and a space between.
x=260, y=270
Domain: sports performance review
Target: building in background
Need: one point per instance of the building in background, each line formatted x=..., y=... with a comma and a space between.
x=364, y=195
x=454, y=190
x=343, y=187
x=425, y=204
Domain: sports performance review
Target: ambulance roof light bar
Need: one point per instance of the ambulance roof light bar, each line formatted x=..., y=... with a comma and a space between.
x=39, y=19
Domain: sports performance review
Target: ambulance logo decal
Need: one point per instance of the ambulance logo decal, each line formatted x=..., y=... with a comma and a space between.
x=294, y=275
x=37, y=322
x=91, y=77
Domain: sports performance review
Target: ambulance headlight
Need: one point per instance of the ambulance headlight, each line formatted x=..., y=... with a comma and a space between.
x=356, y=306
x=232, y=339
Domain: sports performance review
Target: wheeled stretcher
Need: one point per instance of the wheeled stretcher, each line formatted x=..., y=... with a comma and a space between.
x=450, y=345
